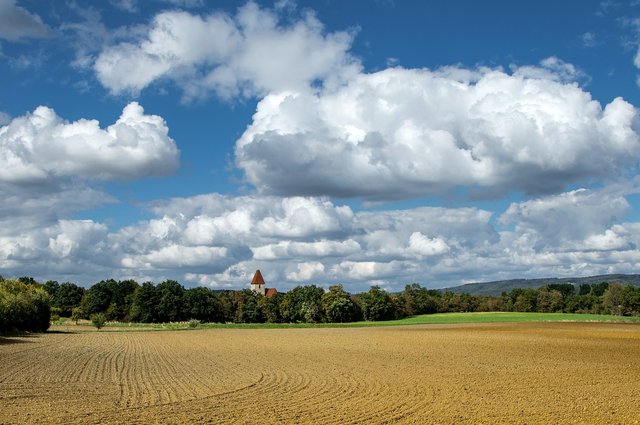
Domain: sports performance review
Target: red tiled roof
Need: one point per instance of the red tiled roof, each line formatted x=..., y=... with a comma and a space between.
x=270, y=292
x=257, y=278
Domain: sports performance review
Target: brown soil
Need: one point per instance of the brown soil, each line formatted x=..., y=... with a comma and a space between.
x=490, y=373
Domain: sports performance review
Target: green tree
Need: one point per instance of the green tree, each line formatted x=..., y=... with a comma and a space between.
x=97, y=299
x=23, y=307
x=549, y=301
x=584, y=289
x=397, y=302
x=144, y=304
x=598, y=289
x=612, y=299
x=55, y=314
x=270, y=308
x=419, y=300
x=226, y=304
x=302, y=304
x=338, y=306
x=51, y=286
x=488, y=303
x=27, y=280
x=40, y=310
x=246, y=307
x=376, y=305
x=458, y=302
x=566, y=289
x=121, y=298
x=67, y=296
x=76, y=314
x=631, y=301
x=524, y=300
x=585, y=303
x=98, y=320
x=202, y=304
x=171, y=301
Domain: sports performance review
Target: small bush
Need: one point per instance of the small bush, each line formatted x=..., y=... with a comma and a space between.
x=98, y=320
x=76, y=314
x=55, y=314
x=194, y=323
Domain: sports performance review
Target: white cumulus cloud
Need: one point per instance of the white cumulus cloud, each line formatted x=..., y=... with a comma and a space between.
x=306, y=271
x=612, y=239
x=423, y=246
x=41, y=146
x=366, y=270
x=75, y=236
x=568, y=218
x=401, y=133
x=250, y=53
x=289, y=249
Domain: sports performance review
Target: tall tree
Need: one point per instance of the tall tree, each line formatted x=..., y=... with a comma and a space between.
x=121, y=298
x=631, y=301
x=419, y=300
x=97, y=299
x=598, y=289
x=202, y=304
x=171, y=301
x=67, y=296
x=145, y=302
x=566, y=289
x=270, y=308
x=612, y=299
x=376, y=305
x=246, y=307
x=302, y=304
x=549, y=301
x=338, y=306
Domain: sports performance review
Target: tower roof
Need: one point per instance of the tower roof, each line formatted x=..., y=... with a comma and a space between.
x=257, y=278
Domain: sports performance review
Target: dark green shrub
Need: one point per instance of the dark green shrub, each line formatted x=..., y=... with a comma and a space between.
x=23, y=307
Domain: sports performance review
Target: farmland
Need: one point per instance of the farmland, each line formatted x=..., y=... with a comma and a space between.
x=475, y=373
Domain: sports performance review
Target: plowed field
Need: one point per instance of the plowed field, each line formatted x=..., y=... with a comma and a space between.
x=490, y=373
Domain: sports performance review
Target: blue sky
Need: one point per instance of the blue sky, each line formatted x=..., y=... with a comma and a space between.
x=360, y=142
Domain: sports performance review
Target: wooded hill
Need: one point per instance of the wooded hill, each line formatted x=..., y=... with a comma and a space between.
x=497, y=287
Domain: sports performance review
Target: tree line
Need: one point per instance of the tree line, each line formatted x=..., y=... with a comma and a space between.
x=169, y=301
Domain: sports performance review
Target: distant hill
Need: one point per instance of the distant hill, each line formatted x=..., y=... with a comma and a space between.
x=500, y=286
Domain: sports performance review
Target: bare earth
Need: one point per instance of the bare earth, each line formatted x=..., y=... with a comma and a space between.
x=489, y=373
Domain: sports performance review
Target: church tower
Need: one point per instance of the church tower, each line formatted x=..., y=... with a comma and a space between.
x=257, y=283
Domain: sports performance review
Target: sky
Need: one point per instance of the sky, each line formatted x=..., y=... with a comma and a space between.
x=364, y=142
